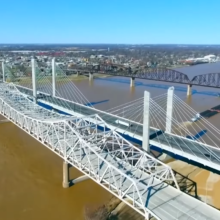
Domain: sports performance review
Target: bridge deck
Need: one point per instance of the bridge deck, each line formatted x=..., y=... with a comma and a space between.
x=182, y=146
x=164, y=201
x=190, y=149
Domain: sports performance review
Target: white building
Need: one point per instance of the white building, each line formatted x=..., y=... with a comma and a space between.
x=210, y=58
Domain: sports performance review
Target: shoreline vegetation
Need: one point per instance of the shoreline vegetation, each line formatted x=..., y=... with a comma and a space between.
x=59, y=79
x=206, y=183
x=114, y=209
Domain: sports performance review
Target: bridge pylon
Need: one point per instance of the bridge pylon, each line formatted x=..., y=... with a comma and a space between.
x=53, y=77
x=146, y=122
x=34, y=85
x=169, y=114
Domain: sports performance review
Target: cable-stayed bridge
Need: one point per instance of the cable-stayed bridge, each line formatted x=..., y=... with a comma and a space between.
x=89, y=140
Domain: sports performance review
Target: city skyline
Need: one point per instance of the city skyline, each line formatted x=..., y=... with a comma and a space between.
x=114, y=22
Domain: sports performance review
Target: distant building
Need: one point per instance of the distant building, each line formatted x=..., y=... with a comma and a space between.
x=210, y=57
x=206, y=59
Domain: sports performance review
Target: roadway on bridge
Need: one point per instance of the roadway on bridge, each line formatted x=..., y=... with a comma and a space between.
x=164, y=201
x=182, y=146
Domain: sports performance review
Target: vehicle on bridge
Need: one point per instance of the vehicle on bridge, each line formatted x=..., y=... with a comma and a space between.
x=127, y=124
x=41, y=95
x=196, y=118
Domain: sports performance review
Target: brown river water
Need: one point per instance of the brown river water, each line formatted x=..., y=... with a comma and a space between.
x=31, y=175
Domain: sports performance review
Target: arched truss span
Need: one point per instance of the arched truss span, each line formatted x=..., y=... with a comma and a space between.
x=165, y=75
x=209, y=80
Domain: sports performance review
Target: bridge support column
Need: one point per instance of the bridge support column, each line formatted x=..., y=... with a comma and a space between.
x=4, y=121
x=65, y=174
x=90, y=76
x=189, y=90
x=146, y=122
x=147, y=216
x=169, y=115
x=3, y=71
x=34, y=86
x=53, y=77
x=80, y=179
x=132, y=82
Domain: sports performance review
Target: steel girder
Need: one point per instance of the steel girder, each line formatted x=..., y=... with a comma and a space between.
x=169, y=75
x=165, y=75
x=103, y=155
x=209, y=80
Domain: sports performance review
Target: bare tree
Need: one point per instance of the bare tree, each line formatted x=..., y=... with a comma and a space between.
x=100, y=213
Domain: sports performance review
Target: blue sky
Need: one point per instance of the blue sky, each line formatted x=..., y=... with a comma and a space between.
x=110, y=21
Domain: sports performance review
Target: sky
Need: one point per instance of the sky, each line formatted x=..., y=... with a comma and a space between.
x=110, y=21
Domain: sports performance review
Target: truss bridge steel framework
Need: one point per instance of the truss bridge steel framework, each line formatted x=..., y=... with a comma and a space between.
x=162, y=74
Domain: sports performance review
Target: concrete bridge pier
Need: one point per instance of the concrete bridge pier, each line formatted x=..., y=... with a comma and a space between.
x=65, y=174
x=4, y=121
x=189, y=90
x=90, y=76
x=80, y=179
x=132, y=82
x=66, y=182
x=148, y=216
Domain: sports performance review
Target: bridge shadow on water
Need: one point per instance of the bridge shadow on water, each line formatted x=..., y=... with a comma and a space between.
x=178, y=157
x=186, y=185
x=159, y=86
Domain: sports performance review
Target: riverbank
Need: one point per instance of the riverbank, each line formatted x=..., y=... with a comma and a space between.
x=76, y=77
x=114, y=209
x=59, y=79
x=207, y=183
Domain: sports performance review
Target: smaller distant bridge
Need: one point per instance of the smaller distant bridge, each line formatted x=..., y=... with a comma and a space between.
x=157, y=74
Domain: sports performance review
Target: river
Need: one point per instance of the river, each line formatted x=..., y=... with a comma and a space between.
x=31, y=175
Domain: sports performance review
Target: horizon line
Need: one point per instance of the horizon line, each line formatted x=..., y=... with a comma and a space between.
x=108, y=44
